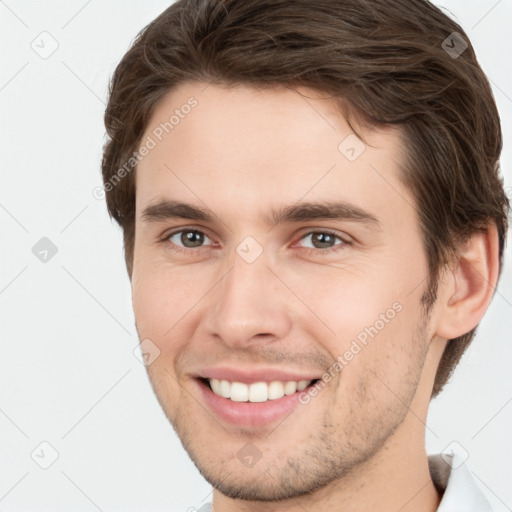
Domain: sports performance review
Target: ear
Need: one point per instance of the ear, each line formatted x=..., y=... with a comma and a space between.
x=469, y=286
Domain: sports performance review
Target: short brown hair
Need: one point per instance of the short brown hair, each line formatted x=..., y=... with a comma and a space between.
x=387, y=58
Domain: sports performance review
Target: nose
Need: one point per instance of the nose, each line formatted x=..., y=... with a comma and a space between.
x=248, y=306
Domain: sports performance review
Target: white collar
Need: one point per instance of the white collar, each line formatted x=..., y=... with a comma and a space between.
x=452, y=478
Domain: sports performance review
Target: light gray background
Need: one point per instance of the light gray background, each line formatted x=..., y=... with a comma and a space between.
x=68, y=375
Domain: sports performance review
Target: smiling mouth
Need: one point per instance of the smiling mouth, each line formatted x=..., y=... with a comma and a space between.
x=257, y=391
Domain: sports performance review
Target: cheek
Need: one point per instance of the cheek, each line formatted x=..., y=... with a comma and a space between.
x=373, y=321
x=165, y=300
x=383, y=362
x=347, y=301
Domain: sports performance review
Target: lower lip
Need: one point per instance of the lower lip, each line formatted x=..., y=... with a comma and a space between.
x=249, y=414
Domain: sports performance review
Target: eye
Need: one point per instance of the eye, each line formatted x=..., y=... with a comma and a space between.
x=323, y=240
x=188, y=238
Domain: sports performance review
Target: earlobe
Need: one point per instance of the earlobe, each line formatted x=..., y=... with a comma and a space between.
x=470, y=286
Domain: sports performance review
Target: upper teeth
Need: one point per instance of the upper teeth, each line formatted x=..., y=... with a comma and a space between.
x=258, y=391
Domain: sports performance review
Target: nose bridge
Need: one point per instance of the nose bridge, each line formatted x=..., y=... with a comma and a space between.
x=248, y=302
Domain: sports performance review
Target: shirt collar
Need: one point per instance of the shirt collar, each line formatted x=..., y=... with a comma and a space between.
x=454, y=481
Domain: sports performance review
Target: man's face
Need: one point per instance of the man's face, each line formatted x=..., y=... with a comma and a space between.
x=239, y=292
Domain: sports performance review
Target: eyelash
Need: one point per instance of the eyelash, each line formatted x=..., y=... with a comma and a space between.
x=166, y=239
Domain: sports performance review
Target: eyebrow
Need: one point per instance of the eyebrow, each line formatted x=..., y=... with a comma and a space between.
x=300, y=212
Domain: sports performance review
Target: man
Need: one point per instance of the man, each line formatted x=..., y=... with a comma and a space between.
x=314, y=225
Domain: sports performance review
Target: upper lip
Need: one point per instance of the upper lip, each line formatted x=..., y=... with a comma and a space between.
x=251, y=375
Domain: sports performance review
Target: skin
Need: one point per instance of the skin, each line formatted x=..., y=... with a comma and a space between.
x=358, y=444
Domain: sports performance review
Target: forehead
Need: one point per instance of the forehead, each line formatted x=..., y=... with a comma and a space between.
x=274, y=145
